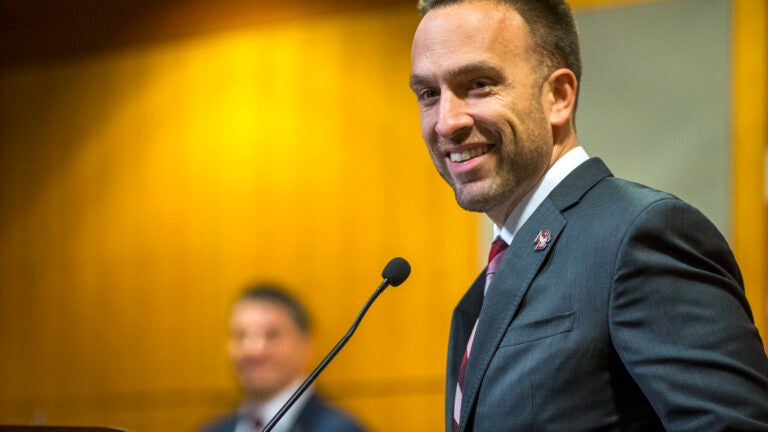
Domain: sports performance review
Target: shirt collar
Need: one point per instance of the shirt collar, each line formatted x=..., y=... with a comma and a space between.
x=269, y=408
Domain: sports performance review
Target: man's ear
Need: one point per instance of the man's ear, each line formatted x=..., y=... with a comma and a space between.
x=560, y=96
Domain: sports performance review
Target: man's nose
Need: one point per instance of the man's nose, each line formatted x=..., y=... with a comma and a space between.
x=453, y=117
x=254, y=345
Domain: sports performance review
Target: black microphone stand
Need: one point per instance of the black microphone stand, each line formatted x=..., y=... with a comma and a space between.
x=307, y=382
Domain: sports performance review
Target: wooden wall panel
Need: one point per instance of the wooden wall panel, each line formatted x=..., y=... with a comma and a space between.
x=750, y=138
x=143, y=187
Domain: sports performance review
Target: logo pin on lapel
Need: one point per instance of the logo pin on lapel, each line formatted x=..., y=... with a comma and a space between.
x=542, y=240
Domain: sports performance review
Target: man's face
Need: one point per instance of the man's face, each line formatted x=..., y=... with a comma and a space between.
x=481, y=104
x=268, y=349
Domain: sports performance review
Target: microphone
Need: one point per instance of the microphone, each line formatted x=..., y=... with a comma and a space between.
x=395, y=272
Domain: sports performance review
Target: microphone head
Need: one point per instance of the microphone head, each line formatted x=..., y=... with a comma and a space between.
x=396, y=271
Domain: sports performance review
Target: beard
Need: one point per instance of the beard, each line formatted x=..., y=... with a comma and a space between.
x=521, y=161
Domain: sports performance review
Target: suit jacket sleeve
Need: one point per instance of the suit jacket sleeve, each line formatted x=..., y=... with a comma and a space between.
x=681, y=325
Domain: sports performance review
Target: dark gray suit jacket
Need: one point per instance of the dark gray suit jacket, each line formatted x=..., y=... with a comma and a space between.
x=316, y=416
x=632, y=318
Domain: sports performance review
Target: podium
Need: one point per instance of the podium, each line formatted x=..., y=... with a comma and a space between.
x=13, y=428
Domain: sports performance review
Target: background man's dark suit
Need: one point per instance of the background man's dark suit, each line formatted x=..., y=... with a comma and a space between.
x=633, y=317
x=316, y=416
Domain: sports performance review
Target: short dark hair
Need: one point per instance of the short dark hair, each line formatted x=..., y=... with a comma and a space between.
x=552, y=26
x=277, y=294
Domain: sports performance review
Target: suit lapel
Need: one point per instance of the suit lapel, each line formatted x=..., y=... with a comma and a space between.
x=521, y=263
x=463, y=320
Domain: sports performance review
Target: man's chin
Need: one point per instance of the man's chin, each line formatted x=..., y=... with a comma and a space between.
x=474, y=201
x=260, y=392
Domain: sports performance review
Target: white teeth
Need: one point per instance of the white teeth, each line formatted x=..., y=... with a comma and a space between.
x=469, y=154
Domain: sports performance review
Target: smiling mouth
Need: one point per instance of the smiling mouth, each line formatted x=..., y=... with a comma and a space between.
x=468, y=154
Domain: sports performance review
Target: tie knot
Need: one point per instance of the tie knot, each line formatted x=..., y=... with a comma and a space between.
x=497, y=246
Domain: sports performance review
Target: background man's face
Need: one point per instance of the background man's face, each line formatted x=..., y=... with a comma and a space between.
x=268, y=349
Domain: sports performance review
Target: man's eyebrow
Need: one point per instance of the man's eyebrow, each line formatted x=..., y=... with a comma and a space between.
x=418, y=81
x=478, y=68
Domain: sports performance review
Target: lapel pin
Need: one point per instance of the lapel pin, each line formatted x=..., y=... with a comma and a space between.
x=542, y=240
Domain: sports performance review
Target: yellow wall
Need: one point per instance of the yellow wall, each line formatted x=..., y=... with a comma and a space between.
x=750, y=136
x=142, y=188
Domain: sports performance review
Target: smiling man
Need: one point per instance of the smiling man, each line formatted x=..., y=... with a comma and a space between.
x=606, y=305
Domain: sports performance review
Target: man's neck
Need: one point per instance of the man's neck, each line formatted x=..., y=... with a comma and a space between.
x=525, y=208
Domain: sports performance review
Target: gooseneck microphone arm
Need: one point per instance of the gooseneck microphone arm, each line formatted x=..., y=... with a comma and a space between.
x=394, y=273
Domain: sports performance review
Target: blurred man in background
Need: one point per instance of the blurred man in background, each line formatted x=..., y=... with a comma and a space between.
x=270, y=347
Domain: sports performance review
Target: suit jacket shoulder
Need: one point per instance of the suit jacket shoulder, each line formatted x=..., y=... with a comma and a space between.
x=316, y=416
x=226, y=423
x=319, y=416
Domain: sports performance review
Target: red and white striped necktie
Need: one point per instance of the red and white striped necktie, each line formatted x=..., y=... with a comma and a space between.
x=498, y=248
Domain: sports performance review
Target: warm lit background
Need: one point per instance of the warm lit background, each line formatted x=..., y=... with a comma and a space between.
x=155, y=156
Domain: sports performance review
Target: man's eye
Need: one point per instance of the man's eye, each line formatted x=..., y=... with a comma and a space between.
x=427, y=94
x=479, y=84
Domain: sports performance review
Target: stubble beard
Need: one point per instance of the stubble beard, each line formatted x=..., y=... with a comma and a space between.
x=520, y=166
x=481, y=201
